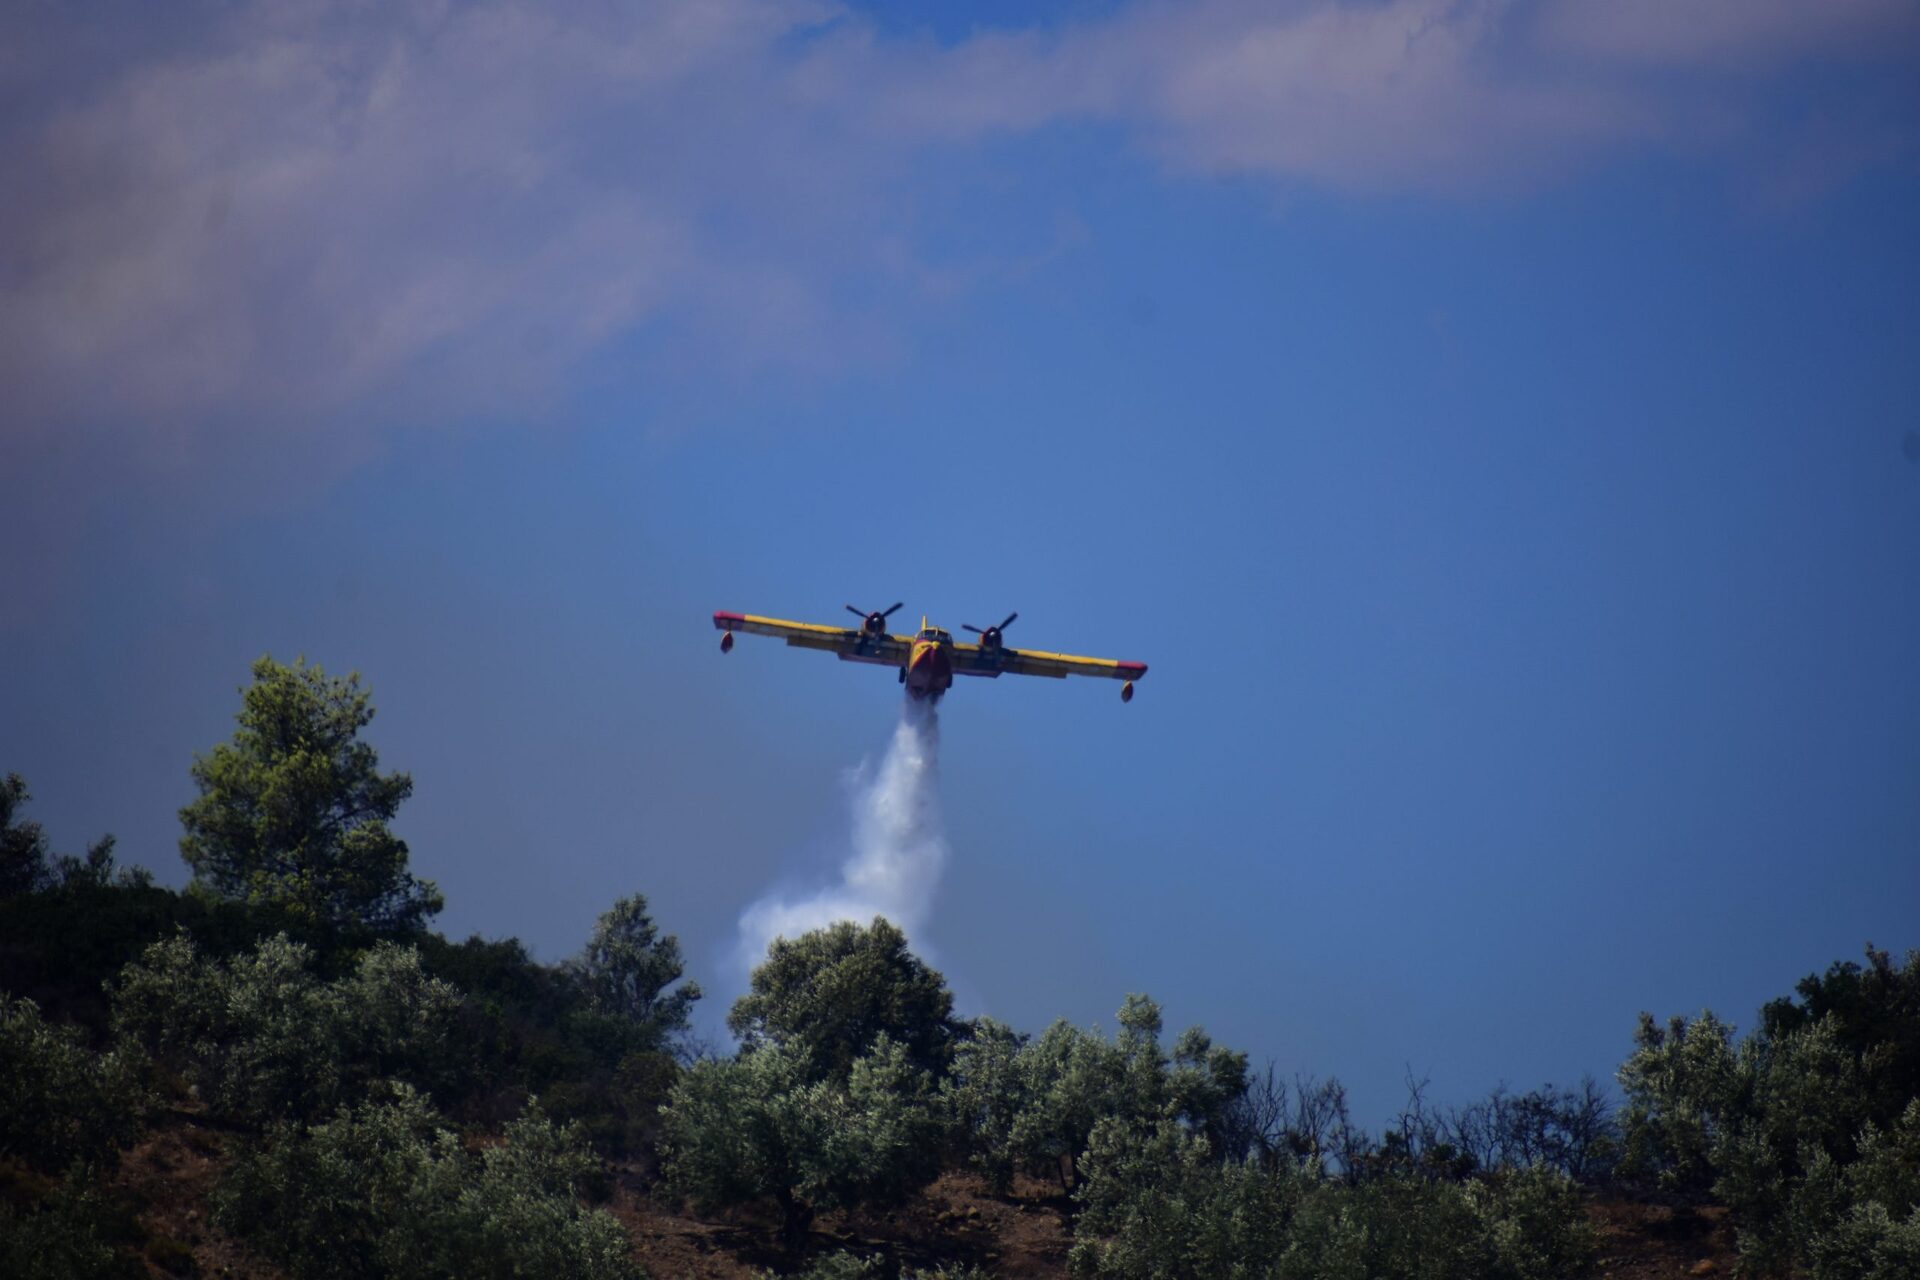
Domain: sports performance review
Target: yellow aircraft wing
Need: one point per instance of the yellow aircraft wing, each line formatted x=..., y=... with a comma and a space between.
x=852, y=644
x=982, y=660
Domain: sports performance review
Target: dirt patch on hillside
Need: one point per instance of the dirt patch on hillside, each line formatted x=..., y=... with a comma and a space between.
x=167, y=1179
x=1641, y=1241
x=1020, y=1236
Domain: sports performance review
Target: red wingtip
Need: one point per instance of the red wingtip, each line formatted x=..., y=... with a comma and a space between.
x=1134, y=670
x=727, y=621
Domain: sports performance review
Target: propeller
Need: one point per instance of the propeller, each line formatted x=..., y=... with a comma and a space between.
x=876, y=621
x=990, y=638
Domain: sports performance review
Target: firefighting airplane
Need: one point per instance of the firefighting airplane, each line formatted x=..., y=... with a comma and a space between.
x=929, y=659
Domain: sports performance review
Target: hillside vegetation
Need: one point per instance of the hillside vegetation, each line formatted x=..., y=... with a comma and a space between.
x=284, y=1071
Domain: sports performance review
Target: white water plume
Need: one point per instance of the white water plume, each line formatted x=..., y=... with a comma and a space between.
x=899, y=847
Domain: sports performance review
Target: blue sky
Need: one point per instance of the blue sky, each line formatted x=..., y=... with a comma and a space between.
x=1495, y=423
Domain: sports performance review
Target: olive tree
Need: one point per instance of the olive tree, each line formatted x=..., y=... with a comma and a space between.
x=760, y=1129
x=262, y=1037
x=60, y=1102
x=831, y=993
x=386, y=1189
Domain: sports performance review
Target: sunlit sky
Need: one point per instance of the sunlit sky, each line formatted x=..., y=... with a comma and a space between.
x=1496, y=423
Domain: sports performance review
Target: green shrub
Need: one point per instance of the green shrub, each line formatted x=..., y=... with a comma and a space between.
x=384, y=1190
x=1034, y=1104
x=60, y=1101
x=831, y=993
x=1868, y=1244
x=984, y=1093
x=1805, y=1128
x=1158, y=1205
x=263, y=1038
x=762, y=1129
x=73, y=1234
x=1532, y=1225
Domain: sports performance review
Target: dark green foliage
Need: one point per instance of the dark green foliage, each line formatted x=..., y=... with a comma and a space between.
x=1034, y=1104
x=1682, y=1086
x=60, y=934
x=762, y=1129
x=384, y=1189
x=262, y=1037
x=170, y=1256
x=76, y=1232
x=60, y=1102
x=26, y=863
x=1872, y=1012
x=23, y=846
x=526, y=1027
x=626, y=969
x=1805, y=1128
x=984, y=1094
x=294, y=812
x=832, y=992
x=1158, y=1205
x=1868, y=1244
x=1527, y=1225
x=60, y=945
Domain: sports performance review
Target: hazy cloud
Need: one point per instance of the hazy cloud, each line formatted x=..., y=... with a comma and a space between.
x=1753, y=34
x=291, y=211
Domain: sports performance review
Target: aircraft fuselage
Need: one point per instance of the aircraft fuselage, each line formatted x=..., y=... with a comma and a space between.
x=929, y=669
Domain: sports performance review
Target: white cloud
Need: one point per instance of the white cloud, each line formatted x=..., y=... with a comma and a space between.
x=302, y=214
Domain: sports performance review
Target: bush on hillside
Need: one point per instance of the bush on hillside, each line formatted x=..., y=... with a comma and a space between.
x=831, y=993
x=262, y=1038
x=72, y=1233
x=60, y=1102
x=383, y=1189
x=1158, y=1205
x=1033, y=1104
x=762, y=1129
x=1792, y=1125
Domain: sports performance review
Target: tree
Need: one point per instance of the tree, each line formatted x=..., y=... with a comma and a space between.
x=60, y=1102
x=1158, y=1204
x=1066, y=1081
x=23, y=846
x=627, y=968
x=27, y=865
x=832, y=992
x=1796, y=1126
x=984, y=1094
x=262, y=1038
x=386, y=1189
x=759, y=1128
x=294, y=811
